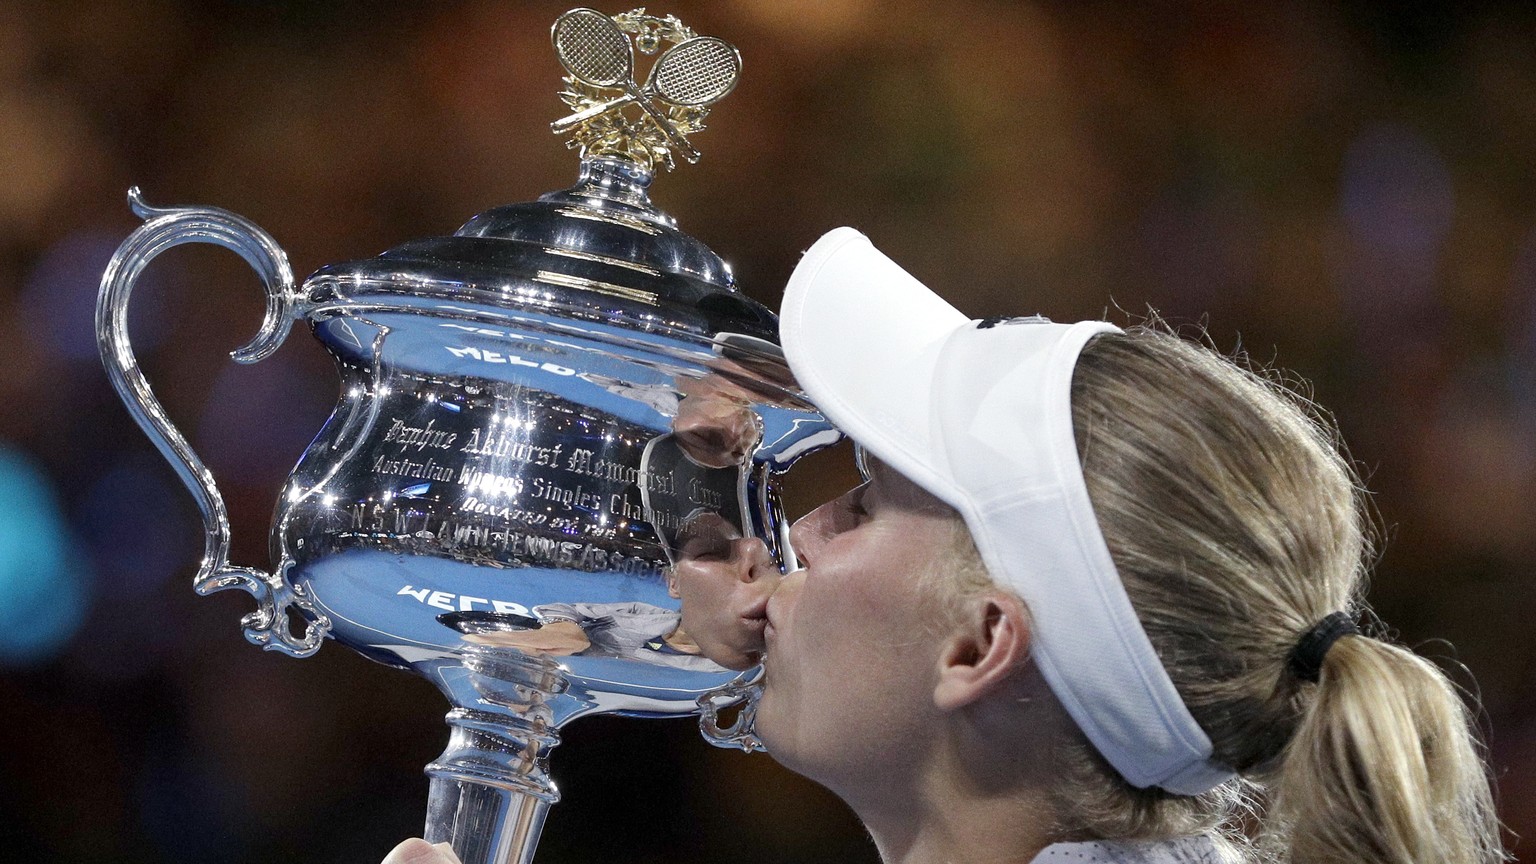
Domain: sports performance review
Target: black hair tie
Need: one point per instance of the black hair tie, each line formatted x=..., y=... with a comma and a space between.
x=1307, y=658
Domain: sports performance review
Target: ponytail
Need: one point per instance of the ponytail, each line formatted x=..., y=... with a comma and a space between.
x=1383, y=769
x=1236, y=524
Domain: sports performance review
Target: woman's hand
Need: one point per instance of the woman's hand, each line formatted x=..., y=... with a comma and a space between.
x=419, y=851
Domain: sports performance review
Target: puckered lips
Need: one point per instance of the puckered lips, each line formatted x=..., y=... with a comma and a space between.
x=754, y=619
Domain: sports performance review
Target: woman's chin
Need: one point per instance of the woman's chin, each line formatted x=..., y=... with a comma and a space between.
x=743, y=647
x=769, y=727
x=732, y=657
x=737, y=662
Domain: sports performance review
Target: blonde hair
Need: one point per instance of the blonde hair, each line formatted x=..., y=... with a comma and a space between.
x=1236, y=525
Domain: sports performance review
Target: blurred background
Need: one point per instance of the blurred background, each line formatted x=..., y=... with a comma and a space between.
x=1342, y=189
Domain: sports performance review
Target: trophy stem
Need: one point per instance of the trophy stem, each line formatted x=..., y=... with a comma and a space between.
x=484, y=824
x=490, y=789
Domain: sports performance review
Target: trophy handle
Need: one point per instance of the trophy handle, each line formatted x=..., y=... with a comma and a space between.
x=270, y=626
x=743, y=694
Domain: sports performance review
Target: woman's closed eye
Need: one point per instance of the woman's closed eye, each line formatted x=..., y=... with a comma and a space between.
x=708, y=548
x=852, y=508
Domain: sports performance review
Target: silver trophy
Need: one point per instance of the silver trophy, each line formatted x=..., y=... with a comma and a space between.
x=535, y=415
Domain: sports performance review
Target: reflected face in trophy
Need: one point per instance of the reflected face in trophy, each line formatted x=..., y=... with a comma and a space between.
x=715, y=422
x=852, y=646
x=724, y=581
x=721, y=573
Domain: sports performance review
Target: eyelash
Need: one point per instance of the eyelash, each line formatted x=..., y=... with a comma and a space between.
x=706, y=552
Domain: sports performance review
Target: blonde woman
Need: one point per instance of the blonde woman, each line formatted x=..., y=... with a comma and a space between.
x=1095, y=603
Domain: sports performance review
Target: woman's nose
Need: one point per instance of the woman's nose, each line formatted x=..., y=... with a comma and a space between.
x=759, y=561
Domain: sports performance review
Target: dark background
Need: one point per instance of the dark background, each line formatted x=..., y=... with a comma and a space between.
x=1345, y=190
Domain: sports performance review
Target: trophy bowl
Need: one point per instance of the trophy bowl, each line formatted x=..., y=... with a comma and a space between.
x=535, y=415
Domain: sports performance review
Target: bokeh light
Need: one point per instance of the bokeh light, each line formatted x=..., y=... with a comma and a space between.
x=1344, y=188
x=43, y=584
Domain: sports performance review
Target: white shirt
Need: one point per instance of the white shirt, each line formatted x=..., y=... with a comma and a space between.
x=1183, y=850
x=635, y=630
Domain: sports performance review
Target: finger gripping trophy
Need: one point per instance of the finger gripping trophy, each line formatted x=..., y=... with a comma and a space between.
x=536, y=415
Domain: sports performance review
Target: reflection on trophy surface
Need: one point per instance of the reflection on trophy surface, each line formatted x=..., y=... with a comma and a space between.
x=548, y=485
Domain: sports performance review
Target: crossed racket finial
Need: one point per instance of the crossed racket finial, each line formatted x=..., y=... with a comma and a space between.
x=692, y=74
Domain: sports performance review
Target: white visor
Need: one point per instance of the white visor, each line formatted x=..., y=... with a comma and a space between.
x=979, y=413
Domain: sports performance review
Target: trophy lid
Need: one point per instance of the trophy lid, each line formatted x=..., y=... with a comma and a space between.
x=600, y=250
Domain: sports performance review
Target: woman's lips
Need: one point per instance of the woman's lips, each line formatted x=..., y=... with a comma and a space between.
x=755, y=619
x=757, y=612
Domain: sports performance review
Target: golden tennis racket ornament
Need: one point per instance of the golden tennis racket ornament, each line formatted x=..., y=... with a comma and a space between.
x=612, y=114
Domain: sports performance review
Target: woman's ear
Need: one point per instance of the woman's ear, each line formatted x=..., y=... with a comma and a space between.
x=986, y=648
